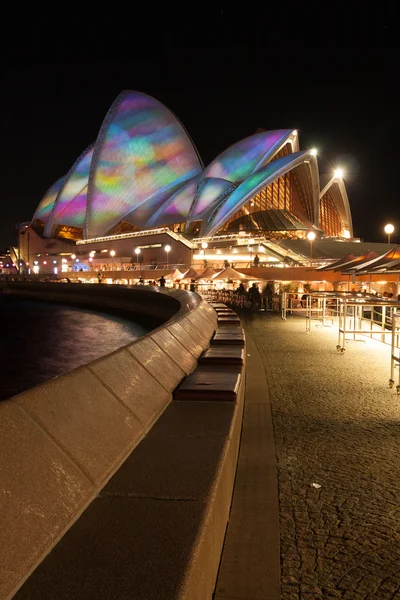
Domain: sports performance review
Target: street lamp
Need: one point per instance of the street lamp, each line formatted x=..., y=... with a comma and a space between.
x=112, y=253
x=311, y=238
x=204, y=245
x=167, y=250
x=389, y=228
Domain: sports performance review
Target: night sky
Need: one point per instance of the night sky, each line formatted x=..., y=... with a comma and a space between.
x=224, y=74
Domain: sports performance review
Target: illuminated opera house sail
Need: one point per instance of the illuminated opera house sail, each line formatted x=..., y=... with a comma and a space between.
x=144, y=172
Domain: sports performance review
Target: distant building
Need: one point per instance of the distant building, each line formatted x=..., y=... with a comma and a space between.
x=142, y=184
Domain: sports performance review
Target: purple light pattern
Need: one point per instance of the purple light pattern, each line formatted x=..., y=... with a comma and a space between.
x=65, y=209
x=47, y=202
x=176, y=209
x=144, y=149
x=252, y=186
x=209, y=193
x=241, y=159
x=75, y=211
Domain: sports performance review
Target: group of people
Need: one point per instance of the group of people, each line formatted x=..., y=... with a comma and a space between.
x=252, y=294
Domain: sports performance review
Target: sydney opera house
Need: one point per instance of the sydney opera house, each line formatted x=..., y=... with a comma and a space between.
x=140, y=194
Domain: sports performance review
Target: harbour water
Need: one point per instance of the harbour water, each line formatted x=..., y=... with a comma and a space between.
x=41, y=340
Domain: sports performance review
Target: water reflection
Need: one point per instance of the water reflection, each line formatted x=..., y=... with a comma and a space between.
x=40, y=340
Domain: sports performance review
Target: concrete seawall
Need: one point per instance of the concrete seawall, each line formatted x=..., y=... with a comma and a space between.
x=62, y=441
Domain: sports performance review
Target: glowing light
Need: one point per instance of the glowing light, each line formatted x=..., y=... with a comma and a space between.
x=313, y=152
x=167, y=249
x=77, y=260
x=112, y=253
x=90, y=259
x=137, y=251
x=204, y=245
x=54, y=262
x=64, y=260
x=311, y=236
x=92, y=253
x=73, y=256
x=346, y=233
x=45, y=262
x=339, y=173
x=389, y=228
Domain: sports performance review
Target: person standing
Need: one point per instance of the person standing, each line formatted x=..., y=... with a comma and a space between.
x=162, y=281
x=254, y=297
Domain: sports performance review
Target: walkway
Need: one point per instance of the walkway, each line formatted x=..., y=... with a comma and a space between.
x=337, y=442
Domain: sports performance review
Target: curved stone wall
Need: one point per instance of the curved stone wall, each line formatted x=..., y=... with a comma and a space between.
x=62, y=441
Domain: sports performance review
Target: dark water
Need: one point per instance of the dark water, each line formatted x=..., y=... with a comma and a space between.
x=40, y=340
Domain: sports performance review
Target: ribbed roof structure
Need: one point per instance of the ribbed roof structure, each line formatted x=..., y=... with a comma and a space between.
x=144, y=171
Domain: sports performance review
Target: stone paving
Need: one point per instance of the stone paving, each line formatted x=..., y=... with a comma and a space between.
x=336, y=424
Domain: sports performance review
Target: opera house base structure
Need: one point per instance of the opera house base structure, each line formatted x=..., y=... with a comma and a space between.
x=138, y=203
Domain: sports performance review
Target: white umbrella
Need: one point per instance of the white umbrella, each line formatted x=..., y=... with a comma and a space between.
x=175, y=275
x=229, y=273
x=190, y=274
x=207, y=274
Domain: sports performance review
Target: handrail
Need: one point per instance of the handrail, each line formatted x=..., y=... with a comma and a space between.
x=138, y=234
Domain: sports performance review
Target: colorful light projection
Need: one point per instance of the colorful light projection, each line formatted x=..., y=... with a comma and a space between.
x=76, y=181
x=141, y=150
x=75, y=211
x=243, y=158
x=251, y=187
x=47, y=202
x=209, y=194
x=176, y=209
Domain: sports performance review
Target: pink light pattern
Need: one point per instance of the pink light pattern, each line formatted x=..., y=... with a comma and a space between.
x=243, y=158
x=47, y=202
x=65, y=207
x=176, y=209
x=209, y=193
x=142, y=149
x=252, y=186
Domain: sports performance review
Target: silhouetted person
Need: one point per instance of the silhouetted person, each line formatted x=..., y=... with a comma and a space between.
x=256, y=260
x=254, y=296
x=162, y=281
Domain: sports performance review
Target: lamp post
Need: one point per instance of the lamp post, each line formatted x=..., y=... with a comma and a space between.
x=389, y=228
x=137, y=252
x=112, y=254
x=311, y=238
x=167, y=250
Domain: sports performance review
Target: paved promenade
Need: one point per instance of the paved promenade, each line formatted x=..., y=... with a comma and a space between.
x=337, y=425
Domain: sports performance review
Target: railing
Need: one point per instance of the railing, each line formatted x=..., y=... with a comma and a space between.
x=395, y=350
x=138, y=234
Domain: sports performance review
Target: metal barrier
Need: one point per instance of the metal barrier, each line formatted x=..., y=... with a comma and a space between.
x=395, y=350
x=353, y=321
